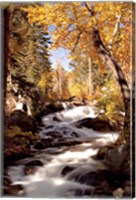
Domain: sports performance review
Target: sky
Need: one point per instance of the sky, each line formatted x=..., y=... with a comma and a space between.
x=59, y=55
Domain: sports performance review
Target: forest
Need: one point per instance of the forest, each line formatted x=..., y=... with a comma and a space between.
x=68, y=121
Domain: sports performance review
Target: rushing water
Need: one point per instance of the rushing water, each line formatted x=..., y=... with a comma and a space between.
x=48, y=180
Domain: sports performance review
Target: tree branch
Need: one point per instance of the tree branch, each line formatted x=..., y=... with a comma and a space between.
x=77, y=40
x=114, y=32
x=107, y=57
x=91, y=10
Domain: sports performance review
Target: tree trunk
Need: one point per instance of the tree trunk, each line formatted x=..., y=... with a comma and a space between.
x=90, y=87
x=107, y=57
x=6, y=48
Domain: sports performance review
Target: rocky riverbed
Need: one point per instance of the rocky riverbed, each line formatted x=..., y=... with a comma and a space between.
x=74, y=156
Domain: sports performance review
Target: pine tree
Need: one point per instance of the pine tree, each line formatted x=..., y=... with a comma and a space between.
x=28, y=56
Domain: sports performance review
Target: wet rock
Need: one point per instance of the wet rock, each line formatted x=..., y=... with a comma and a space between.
x=101, y=178
x=78, y=126
x=51, y=108
x=49, y=126
x=30, y=170
x=96, y=124
x=16, y=190
x=31, y=167
x=22, y=120
x=7, y=181
x=47, y=141
x=55, y=118
x=127, y=189
x=101, y=153
x=15, y=148
x=117, y=159
x=40, y=145
x=8, y=160
x=66, y=142
x=65, y=130
x=22, y=139
x=38, y=120
x=88, y=192
x=93, y=178
x=66, y=170
x=74, y=134
x=54, y=134
x=78, y=192
x=34, y=163
x=101, y=191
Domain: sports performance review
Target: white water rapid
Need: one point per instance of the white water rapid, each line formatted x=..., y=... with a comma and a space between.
x=48, y=181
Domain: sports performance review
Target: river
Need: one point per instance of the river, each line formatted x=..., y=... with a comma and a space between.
x=61, y=165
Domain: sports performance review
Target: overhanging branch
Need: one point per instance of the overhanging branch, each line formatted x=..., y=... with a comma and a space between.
x=91, y=10
x=114, y=32
x=77, y=40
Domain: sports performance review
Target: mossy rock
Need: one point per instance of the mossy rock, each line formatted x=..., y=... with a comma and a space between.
x=96, y=124
x=15, y=148
x=102, y=151
x=16, y=190
x=7, y=181
x=22, y=120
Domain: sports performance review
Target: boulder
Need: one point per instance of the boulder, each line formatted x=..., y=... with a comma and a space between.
x=49, y=126
x=117, y=159
x=16, y=190
x=95, y=123
x=55, y=118
x=34, y=163
x=100, y=178
x=47, y=141
x=68, y=131
x=127, y=191
x=66, y=170
x=51, y=108
x=102, y=192
x=31, y=167
x=22, y=120
x=30, y=170
x=74, y=134
x=39, y=145
x=93, y=178
x=127, y=187
x=16, y=148
x=54, y=134
x=22, y=140
x=101, y=153
x=44, y=143
x=118, y=193
x=66, y=142
x=7, y=181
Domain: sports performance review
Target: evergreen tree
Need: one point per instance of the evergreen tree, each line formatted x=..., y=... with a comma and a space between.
x=28, y=56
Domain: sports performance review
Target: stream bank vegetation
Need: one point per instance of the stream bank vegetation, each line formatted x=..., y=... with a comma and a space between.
x=101, y=75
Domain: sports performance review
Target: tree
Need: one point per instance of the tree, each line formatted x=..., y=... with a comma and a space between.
x=41, y=41
x=60, y=87
x=6, y=47
x=26, y=53
x=103, y=25
x=28, y=47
